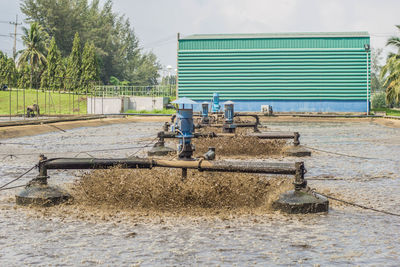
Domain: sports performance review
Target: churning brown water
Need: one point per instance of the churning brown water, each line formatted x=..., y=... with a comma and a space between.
x=88, y=233
x=240, y=145
x=212, y=129
x=163, y=189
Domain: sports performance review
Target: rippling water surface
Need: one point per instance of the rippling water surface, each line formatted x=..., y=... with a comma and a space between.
x=344, y=236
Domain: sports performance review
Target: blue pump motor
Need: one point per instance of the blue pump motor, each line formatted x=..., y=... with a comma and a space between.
x=229, y=112
x=185, y=127
x=215, y=106
x=185, y=124
x=229, y=126
x=204, y=110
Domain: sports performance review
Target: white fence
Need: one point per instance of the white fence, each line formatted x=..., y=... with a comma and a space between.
x=153, y=91
x=113, y=105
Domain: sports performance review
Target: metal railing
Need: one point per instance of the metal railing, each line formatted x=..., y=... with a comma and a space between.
x=118, y=90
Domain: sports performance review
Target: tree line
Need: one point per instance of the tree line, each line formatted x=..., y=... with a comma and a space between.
x=34, y=69
x=390, y=72
x=385, y=79
x=70, y=43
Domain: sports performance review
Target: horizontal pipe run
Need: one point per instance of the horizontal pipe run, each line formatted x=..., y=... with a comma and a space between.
x=94, y=163
x=237, y=114
x=39, y=121
x=139, y=114
x=264, y=135
x=256, y=117
x=244, y=125
x=201, y=165
x=230, y=166
x=274, y=135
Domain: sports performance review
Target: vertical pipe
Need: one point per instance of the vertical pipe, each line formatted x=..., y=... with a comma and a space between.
x=17, y=102
x=92, y=103
x=37, y=98
x=79, y=103
x=23, y=92
x=296, y=139
x=177, y=65
x=45, y=102
x=94, y=90
x=69, y=101
x=299, y=182
x=102, y=100
x=73, y=102
x=9, y=89
x=367, y=83
x=50, y=100
x=59, y=99
x=184, y=174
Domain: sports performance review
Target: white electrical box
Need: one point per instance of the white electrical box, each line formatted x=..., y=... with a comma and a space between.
x=267, y=110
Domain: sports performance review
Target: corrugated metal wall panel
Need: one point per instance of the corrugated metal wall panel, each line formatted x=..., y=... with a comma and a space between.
x=273, y=43
x=273, y=68
x=323, y=74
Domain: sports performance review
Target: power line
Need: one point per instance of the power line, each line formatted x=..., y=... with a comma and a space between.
x=19, y=177
x=315, y=193
x=348, y=155
x=161, y=40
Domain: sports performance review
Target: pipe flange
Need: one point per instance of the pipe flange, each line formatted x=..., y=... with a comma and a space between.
x=39, y=180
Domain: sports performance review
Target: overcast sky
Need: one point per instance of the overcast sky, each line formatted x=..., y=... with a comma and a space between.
x=156, y=22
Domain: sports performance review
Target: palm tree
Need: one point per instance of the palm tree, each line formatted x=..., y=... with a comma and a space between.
x=395, y=41
x=34, y=39
x=392, y=80
x=391, y=71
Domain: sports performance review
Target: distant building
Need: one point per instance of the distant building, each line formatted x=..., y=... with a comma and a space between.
x=293, y=72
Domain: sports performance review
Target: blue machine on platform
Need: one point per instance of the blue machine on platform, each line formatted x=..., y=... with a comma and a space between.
x=229, y=112
x=215, y=103
x=229, y=126
x=204, y=113
x=184, y=127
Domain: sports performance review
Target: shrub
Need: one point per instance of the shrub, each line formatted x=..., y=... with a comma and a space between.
x=378, y=100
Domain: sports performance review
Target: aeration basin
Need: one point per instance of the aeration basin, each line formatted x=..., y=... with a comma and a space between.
x=38, y=192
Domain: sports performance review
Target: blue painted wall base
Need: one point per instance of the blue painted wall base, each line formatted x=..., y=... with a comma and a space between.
x=299, y=105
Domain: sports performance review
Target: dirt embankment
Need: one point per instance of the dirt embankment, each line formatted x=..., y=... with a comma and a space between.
x=27, y=130
x=382, y=121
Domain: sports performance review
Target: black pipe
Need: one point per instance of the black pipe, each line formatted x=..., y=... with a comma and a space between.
x=173, y=118
x=265, y=135
x=296, y=169
x=245, y=167
x=145, y=163
x=249, y=115
x=93, y=163
x=275, y=135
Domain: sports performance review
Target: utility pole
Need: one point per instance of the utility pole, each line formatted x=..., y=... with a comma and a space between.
x=15, y=36
x=16, y=24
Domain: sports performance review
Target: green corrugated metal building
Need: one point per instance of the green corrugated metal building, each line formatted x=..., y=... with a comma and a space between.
x=300, y=72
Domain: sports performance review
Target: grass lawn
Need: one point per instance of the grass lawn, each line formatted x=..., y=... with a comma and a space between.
x=49, y=102
x=389, y=112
